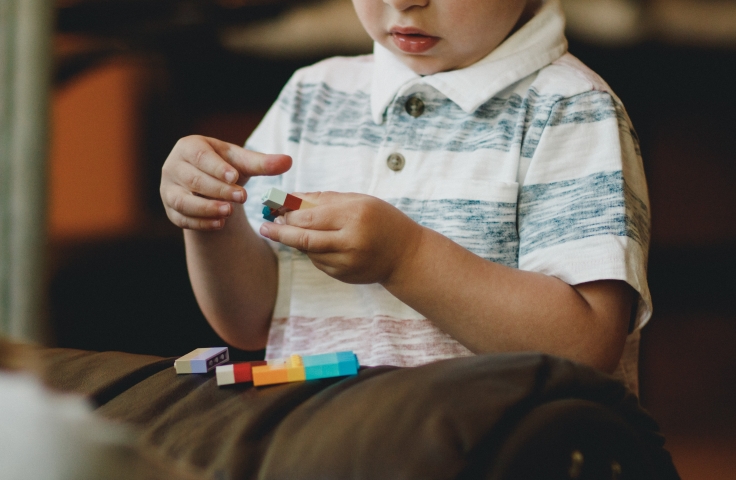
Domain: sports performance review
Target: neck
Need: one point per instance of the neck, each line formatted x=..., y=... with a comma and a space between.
x=531, y=9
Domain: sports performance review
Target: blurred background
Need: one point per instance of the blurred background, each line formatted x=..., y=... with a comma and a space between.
x=130, y=77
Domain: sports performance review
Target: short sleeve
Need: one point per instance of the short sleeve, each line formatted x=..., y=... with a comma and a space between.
x=583, y=204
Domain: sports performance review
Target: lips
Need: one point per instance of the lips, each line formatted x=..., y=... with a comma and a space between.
x=412, y=40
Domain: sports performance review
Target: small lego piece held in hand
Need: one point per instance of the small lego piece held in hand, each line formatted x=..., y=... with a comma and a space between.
x=201, y=360
x=278, y=202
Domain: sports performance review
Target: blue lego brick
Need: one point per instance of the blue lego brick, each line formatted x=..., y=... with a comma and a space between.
x=321, y=359
x=328, y=365
x=268, y=215
x=347, y=356
x=348, y=364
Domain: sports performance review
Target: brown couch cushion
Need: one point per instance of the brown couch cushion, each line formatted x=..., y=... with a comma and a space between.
x=448, y=419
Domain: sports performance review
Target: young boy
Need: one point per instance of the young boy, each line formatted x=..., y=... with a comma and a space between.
x=481, y=191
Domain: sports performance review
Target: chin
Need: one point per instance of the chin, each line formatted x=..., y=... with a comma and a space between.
x=424, y=65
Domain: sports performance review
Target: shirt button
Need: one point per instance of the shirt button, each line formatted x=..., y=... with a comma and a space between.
x=396, y=162
x=414, y=106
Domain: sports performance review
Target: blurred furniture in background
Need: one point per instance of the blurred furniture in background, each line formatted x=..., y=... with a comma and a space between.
x=25, y=32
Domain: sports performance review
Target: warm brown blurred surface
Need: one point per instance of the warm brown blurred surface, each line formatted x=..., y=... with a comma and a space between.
x=94, y=175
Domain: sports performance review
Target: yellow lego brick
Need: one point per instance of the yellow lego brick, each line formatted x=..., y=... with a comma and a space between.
x=295, y=369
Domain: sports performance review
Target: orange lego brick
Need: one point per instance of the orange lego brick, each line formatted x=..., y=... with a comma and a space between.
x=280, y=371
x=269, y=375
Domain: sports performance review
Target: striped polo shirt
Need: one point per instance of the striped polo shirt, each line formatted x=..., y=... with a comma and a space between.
x=526, y=158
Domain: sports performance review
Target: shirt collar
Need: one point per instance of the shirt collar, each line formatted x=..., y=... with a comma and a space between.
x=537, y=44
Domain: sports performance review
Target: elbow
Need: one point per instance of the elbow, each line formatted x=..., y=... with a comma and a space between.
x=603, y=355
x=241, y=334
x=606, y=363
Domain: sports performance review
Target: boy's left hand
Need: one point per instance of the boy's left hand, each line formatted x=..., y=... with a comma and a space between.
x=352, y=237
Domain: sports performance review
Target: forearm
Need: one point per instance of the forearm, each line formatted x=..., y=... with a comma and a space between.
x=490, y=308
x=234, y=275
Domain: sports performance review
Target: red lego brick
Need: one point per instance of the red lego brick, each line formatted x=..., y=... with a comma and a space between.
x=243, y=372
x=292, y=202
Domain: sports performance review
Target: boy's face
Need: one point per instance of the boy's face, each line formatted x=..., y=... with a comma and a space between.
x=432, y=36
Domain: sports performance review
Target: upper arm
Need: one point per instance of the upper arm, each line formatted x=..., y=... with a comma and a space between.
x=583, y=210
x=612, y=307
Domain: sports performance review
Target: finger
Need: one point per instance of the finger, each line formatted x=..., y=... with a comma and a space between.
x=250, y=163
x=317, y=218
x=323, y=198
x=201, y=152
x=193, y=206
x=199, y=182
x=193, y=223
x=305, y=240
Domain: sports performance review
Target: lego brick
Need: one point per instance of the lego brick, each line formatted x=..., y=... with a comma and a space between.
x=225, y=375
x=324, y=365
x=305, y=204
x=269, y=375
x=201, y=360
x=282, y=370
x=309, y=367
x=268, y=213
x=274, y=198
x=347, y=363
x=292, y=202
x=277, y=202
x=295, y=369
x=236, y=373
x=244, y=371
x=328, y=365
x=319, y=359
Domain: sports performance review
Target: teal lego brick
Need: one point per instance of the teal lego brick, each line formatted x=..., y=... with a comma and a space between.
x=348, y=366
x=321, y=359
x=268, y=215
x=316, y=372
x=347, y=356
x=328, y=365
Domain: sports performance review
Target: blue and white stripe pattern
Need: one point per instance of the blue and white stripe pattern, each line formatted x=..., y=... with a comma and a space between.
x=596, y=205
x=540, y=172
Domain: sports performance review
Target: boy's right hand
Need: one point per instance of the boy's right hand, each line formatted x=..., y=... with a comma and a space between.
x=202, y=177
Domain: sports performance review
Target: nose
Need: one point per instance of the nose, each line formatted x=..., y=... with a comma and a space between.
x=402, y=5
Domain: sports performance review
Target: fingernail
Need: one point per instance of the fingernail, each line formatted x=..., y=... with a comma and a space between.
x=279, y=220
x=264, y=230
x=224, y=209
x=230, y=177
x=238, y=196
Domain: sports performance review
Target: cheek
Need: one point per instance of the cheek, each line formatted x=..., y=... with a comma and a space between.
x=370, y=15
x=483, y=26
